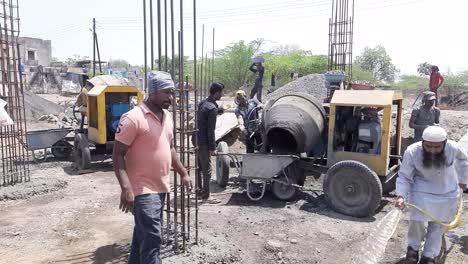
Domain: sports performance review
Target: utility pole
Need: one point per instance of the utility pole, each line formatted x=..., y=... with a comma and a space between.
x=94, y=47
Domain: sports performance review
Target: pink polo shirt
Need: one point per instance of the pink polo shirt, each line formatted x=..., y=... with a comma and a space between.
x=148, y=160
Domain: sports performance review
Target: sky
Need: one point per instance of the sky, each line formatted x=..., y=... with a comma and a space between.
x=412, y=31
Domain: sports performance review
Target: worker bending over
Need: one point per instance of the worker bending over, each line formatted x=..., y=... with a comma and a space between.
x=247, y=115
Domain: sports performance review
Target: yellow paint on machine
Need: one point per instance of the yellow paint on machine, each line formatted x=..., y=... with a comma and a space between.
x=97, y=125
x=375, y=98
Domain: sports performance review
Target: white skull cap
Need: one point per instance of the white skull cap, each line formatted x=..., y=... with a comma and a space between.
x=434, y=134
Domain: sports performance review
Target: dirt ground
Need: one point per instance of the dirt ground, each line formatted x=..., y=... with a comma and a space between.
x=79, y=222
x=62, y=217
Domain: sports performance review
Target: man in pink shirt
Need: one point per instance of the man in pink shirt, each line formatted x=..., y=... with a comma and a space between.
x=143, y=156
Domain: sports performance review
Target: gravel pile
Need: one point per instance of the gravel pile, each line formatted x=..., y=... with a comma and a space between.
x=313, y=84
x=34, y=187
x=37, y=106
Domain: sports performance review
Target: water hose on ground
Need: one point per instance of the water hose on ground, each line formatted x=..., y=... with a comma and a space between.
x=448, y=226
x=374, y=246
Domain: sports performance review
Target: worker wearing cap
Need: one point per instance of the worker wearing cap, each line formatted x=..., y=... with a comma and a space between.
x=246, y=113
x=143, y=156
x=435, y=81
x=424, y=116
x=430, y=177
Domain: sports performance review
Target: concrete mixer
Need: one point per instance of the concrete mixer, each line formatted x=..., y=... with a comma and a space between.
x=354, y=142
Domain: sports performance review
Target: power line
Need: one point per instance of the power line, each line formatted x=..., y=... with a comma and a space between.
x=282, y=7
x=291, y=16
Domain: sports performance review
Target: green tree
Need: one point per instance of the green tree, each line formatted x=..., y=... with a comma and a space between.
x=293, y=61
x=377, y=61
x=361, y=75
x=424, y=68
x=232, y=63
x=188, y=67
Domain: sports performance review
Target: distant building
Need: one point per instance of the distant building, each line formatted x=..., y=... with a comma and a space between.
x=35, y=51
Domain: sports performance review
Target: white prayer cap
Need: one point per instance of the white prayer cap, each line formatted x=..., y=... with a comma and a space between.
x=434, y=134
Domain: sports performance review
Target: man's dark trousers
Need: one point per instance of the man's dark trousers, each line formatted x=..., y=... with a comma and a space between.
x=146, y=243
x=204, y=174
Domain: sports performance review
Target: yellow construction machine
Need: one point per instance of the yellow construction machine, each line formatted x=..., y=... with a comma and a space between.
x=102, y=102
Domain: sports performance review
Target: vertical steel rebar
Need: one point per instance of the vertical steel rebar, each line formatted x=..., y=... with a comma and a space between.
x=183, y=111
x=165, y=36
x=195, y=90
x=213, y=57
x=151, y=34
x=205, y=87
x=174, y=114
x=145, y=48
x=202, y=72
x=172, y=41
x=159, y=36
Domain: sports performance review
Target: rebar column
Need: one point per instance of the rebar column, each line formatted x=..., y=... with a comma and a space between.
x=178, y=209
x=340, y=36
x=13, y=153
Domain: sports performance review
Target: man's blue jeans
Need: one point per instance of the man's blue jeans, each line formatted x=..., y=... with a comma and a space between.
x=146, y=243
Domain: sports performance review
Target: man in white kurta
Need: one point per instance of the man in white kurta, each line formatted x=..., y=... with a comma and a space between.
x=430, y=177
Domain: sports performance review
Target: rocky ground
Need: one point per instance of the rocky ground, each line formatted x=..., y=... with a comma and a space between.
x=77, y=221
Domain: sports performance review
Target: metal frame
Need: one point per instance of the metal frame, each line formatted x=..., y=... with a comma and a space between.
x=13, y=153
x=234, y=157
x=340, y=37
x=180, y=216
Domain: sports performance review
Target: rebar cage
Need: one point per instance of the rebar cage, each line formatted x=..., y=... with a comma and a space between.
x=13, y=153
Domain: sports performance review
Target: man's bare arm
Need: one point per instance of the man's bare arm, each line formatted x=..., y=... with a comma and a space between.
x=118, y=158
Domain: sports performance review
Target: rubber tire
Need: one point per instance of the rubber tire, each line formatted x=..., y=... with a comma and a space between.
x=222, y=165
x=82, y=152
x=62, y=149
x=369, y=189
x=283, y=192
